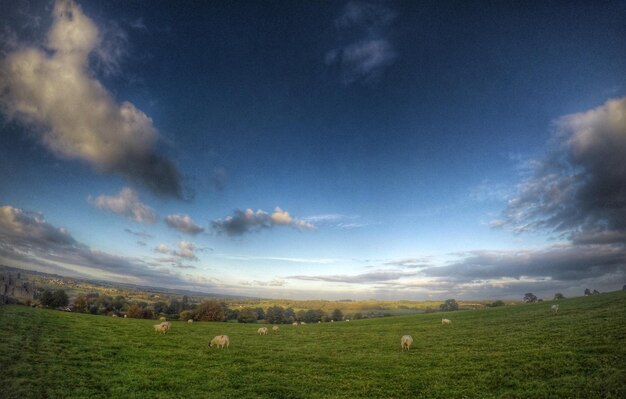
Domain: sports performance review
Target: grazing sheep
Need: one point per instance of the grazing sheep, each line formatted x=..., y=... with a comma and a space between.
x=303, y=323
x=190, y=321
x=406, y=341
x=554, y=309
x=162, y=318
x=262, y=331
x=114, y=315
x=295, y=323
x=332, y=321
x=162, y=328
x=125, y=316
x=446, y=321
x=347, y=319
x=275, y=328
x=220, y=341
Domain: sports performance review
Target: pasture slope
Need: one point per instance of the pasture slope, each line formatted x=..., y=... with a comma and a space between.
x=514, y=352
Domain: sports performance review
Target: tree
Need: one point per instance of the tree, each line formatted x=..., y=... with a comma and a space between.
x=300, y=315
x=210, y=311
x=80, y=304
x=337, y=315
x=135, y=311
x=59, y=299
x=186, y=315
x=449, y=305
x=558, y=296
x=260, y=313
x=289, y=316
x=596, y=292
x=185, y=302
x=275, y=315
x=529, y=297
x=624, y=287
x=160, y=307
x=497, y=304
x=587, y=292
x=247, y=315
x=313, y=316
x=46, y=298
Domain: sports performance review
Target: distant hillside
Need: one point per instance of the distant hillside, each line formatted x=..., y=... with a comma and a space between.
x=522, y=351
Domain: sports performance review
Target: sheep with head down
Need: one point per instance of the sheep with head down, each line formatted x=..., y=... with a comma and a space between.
x=406, y=341
x=220, y=341
x=162, y=327
x=262, y=331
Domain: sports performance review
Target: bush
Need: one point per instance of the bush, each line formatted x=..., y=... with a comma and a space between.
x=449, y=305
x=529, y=297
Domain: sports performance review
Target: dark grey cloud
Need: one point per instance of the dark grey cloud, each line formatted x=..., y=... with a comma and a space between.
x=242, y=222
x=579, y=189
x=365, y=48
x=27, y=239
x=562, y=263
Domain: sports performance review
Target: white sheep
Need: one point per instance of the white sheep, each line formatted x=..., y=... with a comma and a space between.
x=295, y=323
x=162, y=318
x=303, y=323
x=554, y=308
x=220, y=341
x=190, y=321
x=125, y=316
x=406, y=341
x=275, y=328
x=446, y=321
x=262, y=331
x=162, y=327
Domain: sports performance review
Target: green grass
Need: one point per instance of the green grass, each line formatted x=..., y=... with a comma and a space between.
x=519, y=351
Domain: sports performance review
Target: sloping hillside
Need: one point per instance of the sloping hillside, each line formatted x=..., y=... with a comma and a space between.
x=517, y=351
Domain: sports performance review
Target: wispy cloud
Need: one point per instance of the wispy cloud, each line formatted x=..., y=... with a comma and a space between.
x=319, y=261
x=337, y=221
x=126, y=203
x=51, y=90
x=243, y=222
x=140, y=234
x=364, y=278
x=369, y=50
x=183, y=223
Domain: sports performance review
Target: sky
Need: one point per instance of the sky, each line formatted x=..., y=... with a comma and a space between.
x=317, y=150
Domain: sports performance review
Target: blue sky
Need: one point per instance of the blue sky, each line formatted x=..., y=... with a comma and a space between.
x=391, y=150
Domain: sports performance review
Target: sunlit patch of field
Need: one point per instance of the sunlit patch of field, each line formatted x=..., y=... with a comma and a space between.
x=520, y=351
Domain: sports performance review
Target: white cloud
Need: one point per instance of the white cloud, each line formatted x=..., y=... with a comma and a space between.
x=52, y=91
x=186, y=250
x=183, y=223
x=126, y=203
x=162, y=248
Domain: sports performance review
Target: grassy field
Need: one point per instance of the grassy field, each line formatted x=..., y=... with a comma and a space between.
x=519, y=351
